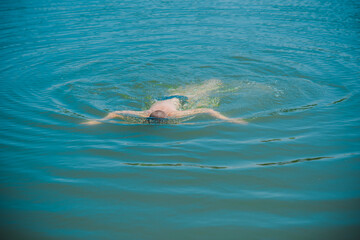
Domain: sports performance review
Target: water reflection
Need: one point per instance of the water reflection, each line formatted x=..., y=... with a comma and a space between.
x=173, y=165
x=293, y=161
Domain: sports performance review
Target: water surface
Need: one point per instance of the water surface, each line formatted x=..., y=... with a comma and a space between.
x=291, y=68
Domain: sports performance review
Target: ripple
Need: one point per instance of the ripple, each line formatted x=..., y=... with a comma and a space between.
x=174, y=165
x=308, y=159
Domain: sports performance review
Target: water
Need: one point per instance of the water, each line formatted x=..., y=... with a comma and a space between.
x=290, y=68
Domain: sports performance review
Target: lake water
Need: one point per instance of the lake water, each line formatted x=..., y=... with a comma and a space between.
x=291, y=68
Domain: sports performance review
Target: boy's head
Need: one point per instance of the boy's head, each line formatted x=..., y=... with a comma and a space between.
x=156, y=117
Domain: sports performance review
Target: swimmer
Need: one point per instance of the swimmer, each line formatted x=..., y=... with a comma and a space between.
x=169, y=108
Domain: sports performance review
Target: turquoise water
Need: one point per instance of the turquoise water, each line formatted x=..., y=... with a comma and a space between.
x=291, y=68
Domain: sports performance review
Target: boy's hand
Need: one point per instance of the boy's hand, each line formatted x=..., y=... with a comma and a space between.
x=91, y=122
x=238, y=121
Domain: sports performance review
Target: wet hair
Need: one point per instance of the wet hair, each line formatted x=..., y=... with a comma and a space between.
x=157, y=116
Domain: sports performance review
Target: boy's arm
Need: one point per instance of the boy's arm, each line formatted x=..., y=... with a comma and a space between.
x=117, y=114
x=210, y=112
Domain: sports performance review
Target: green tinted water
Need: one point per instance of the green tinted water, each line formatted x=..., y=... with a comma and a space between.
x=290, y=68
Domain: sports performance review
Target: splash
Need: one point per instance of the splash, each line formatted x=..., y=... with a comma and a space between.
x=130, y=119
x=200, y=95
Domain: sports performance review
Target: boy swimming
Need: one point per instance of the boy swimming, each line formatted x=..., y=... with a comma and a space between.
x=169, y=108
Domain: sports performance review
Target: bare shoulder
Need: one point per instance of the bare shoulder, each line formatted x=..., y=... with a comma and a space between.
x=190, y=112
x=137, y=113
